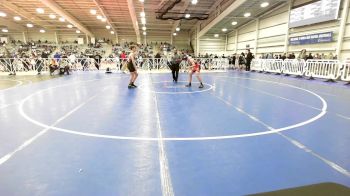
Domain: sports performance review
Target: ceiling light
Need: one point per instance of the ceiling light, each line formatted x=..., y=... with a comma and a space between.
x=143, y=21
x=247, y=14
x=103, y=19
x=177, y=29
x=112, y=32
x=234, y=23
x=93, y=12
x=144, y=28
x=194, y=2
x=142, y=14
x=52, y=16
x=77, y=31
x=187, y=15
x=216, y=35
x=174, y=34
x=42, y=31
x=99, y=17
x=17, y=18
x=142, y=1
x=224, y=29
x=70, y=26
x=108, y=27
x=265, y=4
x=144, y=33
x=3, y=14
x=40, y=10
x=30, y=25
x=62, y=19
x=5, y=30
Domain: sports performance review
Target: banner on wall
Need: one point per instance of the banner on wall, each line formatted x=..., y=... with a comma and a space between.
x=312, y=39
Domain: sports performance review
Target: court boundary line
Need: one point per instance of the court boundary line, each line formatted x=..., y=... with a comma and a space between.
x=276, y=96
x=42, y=132
x=266, y=132
x=290, y=140
x=273, y=95
x=9, y=155
x=167, y=187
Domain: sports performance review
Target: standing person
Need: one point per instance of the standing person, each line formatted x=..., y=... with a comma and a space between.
x=302, y=55
x=249, y=59
x=97, y=58
x=132, y=67
x=241, y=60
x=195, y=68
x=175, y=65
x=124, y=61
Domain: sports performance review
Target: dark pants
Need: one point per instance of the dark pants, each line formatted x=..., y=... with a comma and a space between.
x=247, y=66
x=97, y=66
x=175, y=71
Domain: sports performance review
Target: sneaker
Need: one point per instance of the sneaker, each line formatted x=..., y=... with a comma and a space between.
x=201, y=86
x=133, y=85
x=188, y=85
x=130, y=86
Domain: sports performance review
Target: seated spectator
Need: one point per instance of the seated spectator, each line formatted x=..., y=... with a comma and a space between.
x=53, y=66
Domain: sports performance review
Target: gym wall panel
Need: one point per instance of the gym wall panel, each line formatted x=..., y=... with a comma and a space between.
x=193, y=40
x=49, y=36
x=273, y=49
x=15, y=36
x=231, y=38
x=273, y=31
x=231, y=47
x=243, y=45
x=246, y=37
x=248, y=28
x=211, y=45
x=67, y=37
x=346, y=45
x=347, y=30
x=274, y=20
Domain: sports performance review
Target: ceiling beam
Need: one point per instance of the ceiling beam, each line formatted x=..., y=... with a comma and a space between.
x=58, y=9
x=183, y=9
x=103, y=12
x=134, y=20
x=30, y=17
x=222, y=15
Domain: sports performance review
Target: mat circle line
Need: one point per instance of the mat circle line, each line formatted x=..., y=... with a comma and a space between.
x=141, y=87
x=318, y=116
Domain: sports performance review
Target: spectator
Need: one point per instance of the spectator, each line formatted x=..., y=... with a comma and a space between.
x=249, y=59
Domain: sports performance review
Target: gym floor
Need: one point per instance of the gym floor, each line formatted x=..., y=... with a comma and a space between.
x=244, y=133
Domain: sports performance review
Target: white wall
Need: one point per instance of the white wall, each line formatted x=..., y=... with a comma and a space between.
x=271, y=35
x=212, y=45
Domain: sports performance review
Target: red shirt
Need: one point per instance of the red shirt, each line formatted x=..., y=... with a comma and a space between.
x=123, y=56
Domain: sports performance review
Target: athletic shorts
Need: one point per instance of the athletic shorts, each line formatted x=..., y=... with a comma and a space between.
x=131, y=67
x=196, y=70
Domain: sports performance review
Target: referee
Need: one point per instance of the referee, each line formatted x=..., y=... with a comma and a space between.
x=175, y=65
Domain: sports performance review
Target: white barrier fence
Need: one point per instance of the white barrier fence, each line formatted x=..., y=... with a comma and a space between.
x=324, y=69
x=345, y=71
x=87, y=64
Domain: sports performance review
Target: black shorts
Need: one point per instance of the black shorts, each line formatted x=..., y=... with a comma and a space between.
x=131, y=67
